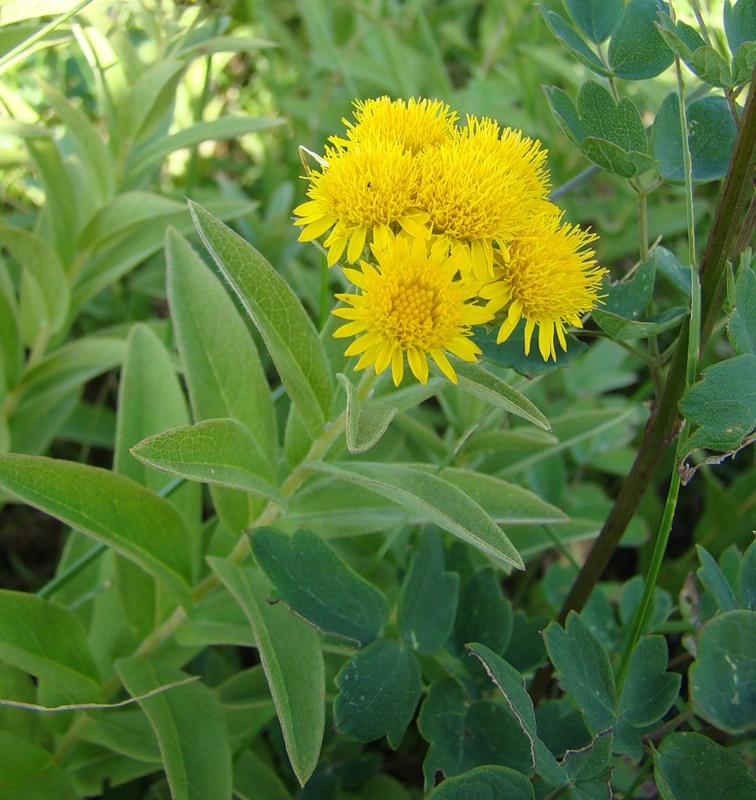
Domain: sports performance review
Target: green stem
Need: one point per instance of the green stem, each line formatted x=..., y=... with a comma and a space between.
x=7, y=61
x=661, y=427
x=662, y=539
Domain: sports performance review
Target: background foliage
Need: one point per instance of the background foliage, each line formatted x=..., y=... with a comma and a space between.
x=140, y=336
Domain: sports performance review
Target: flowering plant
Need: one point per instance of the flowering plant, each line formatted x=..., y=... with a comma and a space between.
x=457, y=577
x=451, y=215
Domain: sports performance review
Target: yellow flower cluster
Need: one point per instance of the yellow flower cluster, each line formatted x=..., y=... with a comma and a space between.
x=452, y=227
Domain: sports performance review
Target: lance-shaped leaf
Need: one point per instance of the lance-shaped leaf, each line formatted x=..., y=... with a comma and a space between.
x=221, y=364
x=292, y=660
x=190, y=727
x=216, y=451
x=479, y=382
x=288, y=333
x=113, y=509
x=432, y=499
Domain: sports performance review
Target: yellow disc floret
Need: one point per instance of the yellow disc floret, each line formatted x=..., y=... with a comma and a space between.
x=416, y=124
x=550, y=279
x=412, y=304
x=482, y=187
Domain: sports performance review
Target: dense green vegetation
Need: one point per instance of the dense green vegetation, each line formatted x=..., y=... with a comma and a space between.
x=233, y=567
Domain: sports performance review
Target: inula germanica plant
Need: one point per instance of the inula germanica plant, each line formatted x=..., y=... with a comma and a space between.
x=424, y=546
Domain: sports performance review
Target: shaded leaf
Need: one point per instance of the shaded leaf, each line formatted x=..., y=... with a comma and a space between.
x=723, y=404
x=585, y=673
x=741, y=324
x=485, y=783
x=714, y=581
x=512, y=685
x=723, y=676
x=690, y=766
x=711, y=136
x=464, y=734
x=314, y=582
x=428, y=602
x=379, y=689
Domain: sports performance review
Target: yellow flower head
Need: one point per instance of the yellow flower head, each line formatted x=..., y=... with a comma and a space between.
x=481, y=187
x=409, y=305
x=360, y=193
x=416, y=124
x=550, y=279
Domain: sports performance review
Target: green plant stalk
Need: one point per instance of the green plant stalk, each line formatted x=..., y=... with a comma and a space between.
x=10, y=58
x=670, y=506
x=661, y=427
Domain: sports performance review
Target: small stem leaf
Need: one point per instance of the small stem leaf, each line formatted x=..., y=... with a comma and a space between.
x=367, y=420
